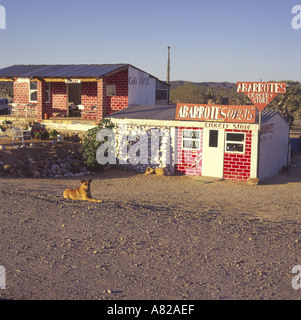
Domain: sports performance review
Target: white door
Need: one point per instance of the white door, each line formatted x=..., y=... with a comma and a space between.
x=213, y=153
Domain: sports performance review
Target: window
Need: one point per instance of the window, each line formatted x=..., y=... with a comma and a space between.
x=191, y=139
x=111, y=90
x=47, y=91
x=235, y=142
x=161, y=94
x=33, y=91
x=213, y=138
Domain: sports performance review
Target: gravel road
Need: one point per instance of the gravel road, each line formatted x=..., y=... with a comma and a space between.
x=152, y=237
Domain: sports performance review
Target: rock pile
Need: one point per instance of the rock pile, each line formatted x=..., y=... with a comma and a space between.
x=55, y=161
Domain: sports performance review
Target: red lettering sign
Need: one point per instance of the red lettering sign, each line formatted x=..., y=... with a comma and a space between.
x=261, y=93
x=204, y=112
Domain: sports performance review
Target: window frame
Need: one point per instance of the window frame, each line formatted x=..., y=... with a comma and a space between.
x=243, y=143
x=197, y=139
x=32, y=91
x=160, y=93
x=111, y=90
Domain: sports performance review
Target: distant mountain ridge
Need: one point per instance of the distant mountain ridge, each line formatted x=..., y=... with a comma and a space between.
x=209, y=85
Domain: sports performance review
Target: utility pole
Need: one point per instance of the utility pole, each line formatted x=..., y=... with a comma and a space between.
x=168, y=66
x=168, y=73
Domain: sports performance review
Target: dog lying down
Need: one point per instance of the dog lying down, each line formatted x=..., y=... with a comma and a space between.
x=81, y=193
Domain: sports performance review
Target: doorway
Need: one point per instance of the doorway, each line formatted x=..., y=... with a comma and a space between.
x=213, y=161
x=74, y=93
x=74, y=99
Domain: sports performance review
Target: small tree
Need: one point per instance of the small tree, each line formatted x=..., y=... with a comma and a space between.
x=289, y=103
x=90, y=145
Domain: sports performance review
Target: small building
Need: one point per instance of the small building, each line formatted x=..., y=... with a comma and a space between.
x=242, y=145
x=85, y=91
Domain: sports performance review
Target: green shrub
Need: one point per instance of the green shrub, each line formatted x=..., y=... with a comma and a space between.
x=41, y=134
x=90, y=145
x=53, y=134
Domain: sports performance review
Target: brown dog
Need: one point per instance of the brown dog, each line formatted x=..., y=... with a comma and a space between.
x=81, y=193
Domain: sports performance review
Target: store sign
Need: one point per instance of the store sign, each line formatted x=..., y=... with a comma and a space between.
x=261, y=93
x=72, y=81
x=197, y=112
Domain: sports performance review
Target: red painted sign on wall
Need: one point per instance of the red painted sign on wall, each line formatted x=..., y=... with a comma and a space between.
x=204, y=112
x=261, y=93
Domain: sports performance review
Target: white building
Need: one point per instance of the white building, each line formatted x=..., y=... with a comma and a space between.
x=234, y=149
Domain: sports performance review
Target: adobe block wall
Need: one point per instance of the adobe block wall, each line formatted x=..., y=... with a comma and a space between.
x=186, y=158
x=237, y=166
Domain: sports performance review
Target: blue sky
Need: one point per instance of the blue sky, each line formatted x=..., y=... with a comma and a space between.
x=211, y=40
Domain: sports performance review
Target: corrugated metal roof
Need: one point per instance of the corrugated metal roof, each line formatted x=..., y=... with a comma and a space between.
x=146, y=112
x=266, y=115
x=169, y=113
x=60, y=70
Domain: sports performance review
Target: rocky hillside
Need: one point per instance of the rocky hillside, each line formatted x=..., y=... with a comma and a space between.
x=207, y=85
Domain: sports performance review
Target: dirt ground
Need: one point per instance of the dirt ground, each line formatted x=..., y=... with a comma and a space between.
x=152, y=237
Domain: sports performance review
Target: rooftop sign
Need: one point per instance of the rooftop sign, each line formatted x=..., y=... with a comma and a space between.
x=261, y=93
x=222, y=113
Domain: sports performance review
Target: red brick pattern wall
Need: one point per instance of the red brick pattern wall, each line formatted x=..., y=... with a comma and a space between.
x=89, y=94
x=93, y=93
x=100, y=99
x=58, y=98
x=21, y=97
x=89, y=99
x=40, y=100
x=120, y=101
x=237, y=166
x=185, y=158
x=21, y=92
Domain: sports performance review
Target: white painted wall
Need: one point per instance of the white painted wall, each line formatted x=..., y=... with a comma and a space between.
x=273, y=146
x=254, y=153
x=142, y=88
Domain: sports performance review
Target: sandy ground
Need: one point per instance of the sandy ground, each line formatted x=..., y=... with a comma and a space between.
x=152, y=237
